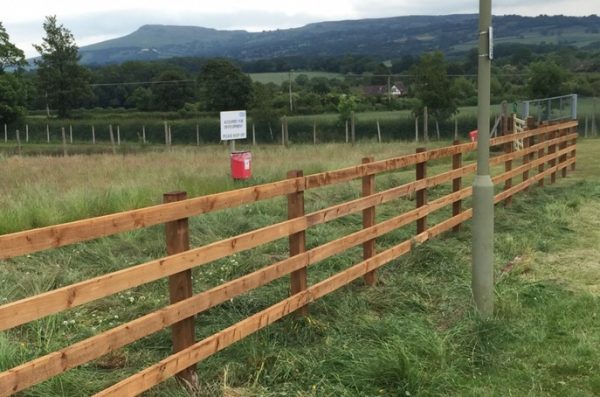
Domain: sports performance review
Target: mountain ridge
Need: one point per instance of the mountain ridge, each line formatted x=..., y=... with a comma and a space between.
x=397, y=36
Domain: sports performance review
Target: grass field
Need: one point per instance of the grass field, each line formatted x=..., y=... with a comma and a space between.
x=415, y=333
x=575, y=36
x=284, y=77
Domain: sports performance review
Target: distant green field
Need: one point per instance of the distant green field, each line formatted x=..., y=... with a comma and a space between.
x=281, y=77
x=575, y=36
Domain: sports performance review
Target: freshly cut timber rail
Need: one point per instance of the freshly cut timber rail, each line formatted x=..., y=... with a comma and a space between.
x=546, y=152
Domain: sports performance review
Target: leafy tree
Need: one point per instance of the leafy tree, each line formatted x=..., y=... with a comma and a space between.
x=171, y=92
x=59, y=74
x=141, y=98
x=262, y=111
x=320, y=85
x=465, y=91
x=12, y=98
x=12, y=88
x=433, y=87
x=302, y=80
x=10, y=55
x=346, y=105
x=223, y=86
x=546, y=79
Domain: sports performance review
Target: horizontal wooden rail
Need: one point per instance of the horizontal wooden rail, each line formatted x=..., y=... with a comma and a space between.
x=16, y=313
x=171, y=365
x=530, y=133
x=529, y=166
x=528, y=150
x=30, y=241
x=34, y=240
x=525, y=184
x=40, y=369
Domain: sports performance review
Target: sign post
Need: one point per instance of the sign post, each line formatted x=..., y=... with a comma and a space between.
x=233, y=126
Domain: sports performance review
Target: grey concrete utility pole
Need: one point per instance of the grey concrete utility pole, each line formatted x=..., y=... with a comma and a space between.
x=483, y=189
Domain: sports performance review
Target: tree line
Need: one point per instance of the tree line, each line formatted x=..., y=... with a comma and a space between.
x=59, y=83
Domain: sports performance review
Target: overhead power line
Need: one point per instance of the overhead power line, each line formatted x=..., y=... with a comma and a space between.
x=143, y=82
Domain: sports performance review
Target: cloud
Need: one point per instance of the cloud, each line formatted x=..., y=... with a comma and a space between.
x=92, y=28
x=91, y=22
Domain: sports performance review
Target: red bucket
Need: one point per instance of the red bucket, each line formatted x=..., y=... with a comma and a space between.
x=241, y=165
x=473, y=135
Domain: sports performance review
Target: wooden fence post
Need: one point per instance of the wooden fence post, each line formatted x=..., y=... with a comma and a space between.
x=541, y=153
x=112, y=138
x=508, y=148
x=18, y=142
x=253, y=135
x=64, y=140
x=118, y=135
x=144, y=134
x=525, y=160
x=5, y=133
x=563, y=157
x=455, y=127
x=456, y=185
x=585, y=131
x=417, y=129
x=421, y=194
x=314, y=132
x=47, y=133
x=347, y=138
x=530, y=122
x=425, y=124
x=368, y=188
x=26, y=133
x=180, y=287
x=574, y=153
x=70, y=134
x=93, y=135
x=378, y=132
x=552, y=161
x=286, y=132
x=353, y=128
x=297, y=241
x=166, y=134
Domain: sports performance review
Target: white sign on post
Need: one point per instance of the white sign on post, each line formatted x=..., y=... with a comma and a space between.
x=233, y=125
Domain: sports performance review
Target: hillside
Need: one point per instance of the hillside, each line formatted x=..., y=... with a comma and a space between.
x=397, y=36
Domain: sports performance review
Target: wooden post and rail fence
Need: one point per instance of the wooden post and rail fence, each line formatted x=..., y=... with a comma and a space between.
x=549, y=150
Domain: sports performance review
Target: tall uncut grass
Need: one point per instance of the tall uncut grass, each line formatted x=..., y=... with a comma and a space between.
x=414, y=333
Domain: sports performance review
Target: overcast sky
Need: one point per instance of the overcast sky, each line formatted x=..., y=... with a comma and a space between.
x=93, y=21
